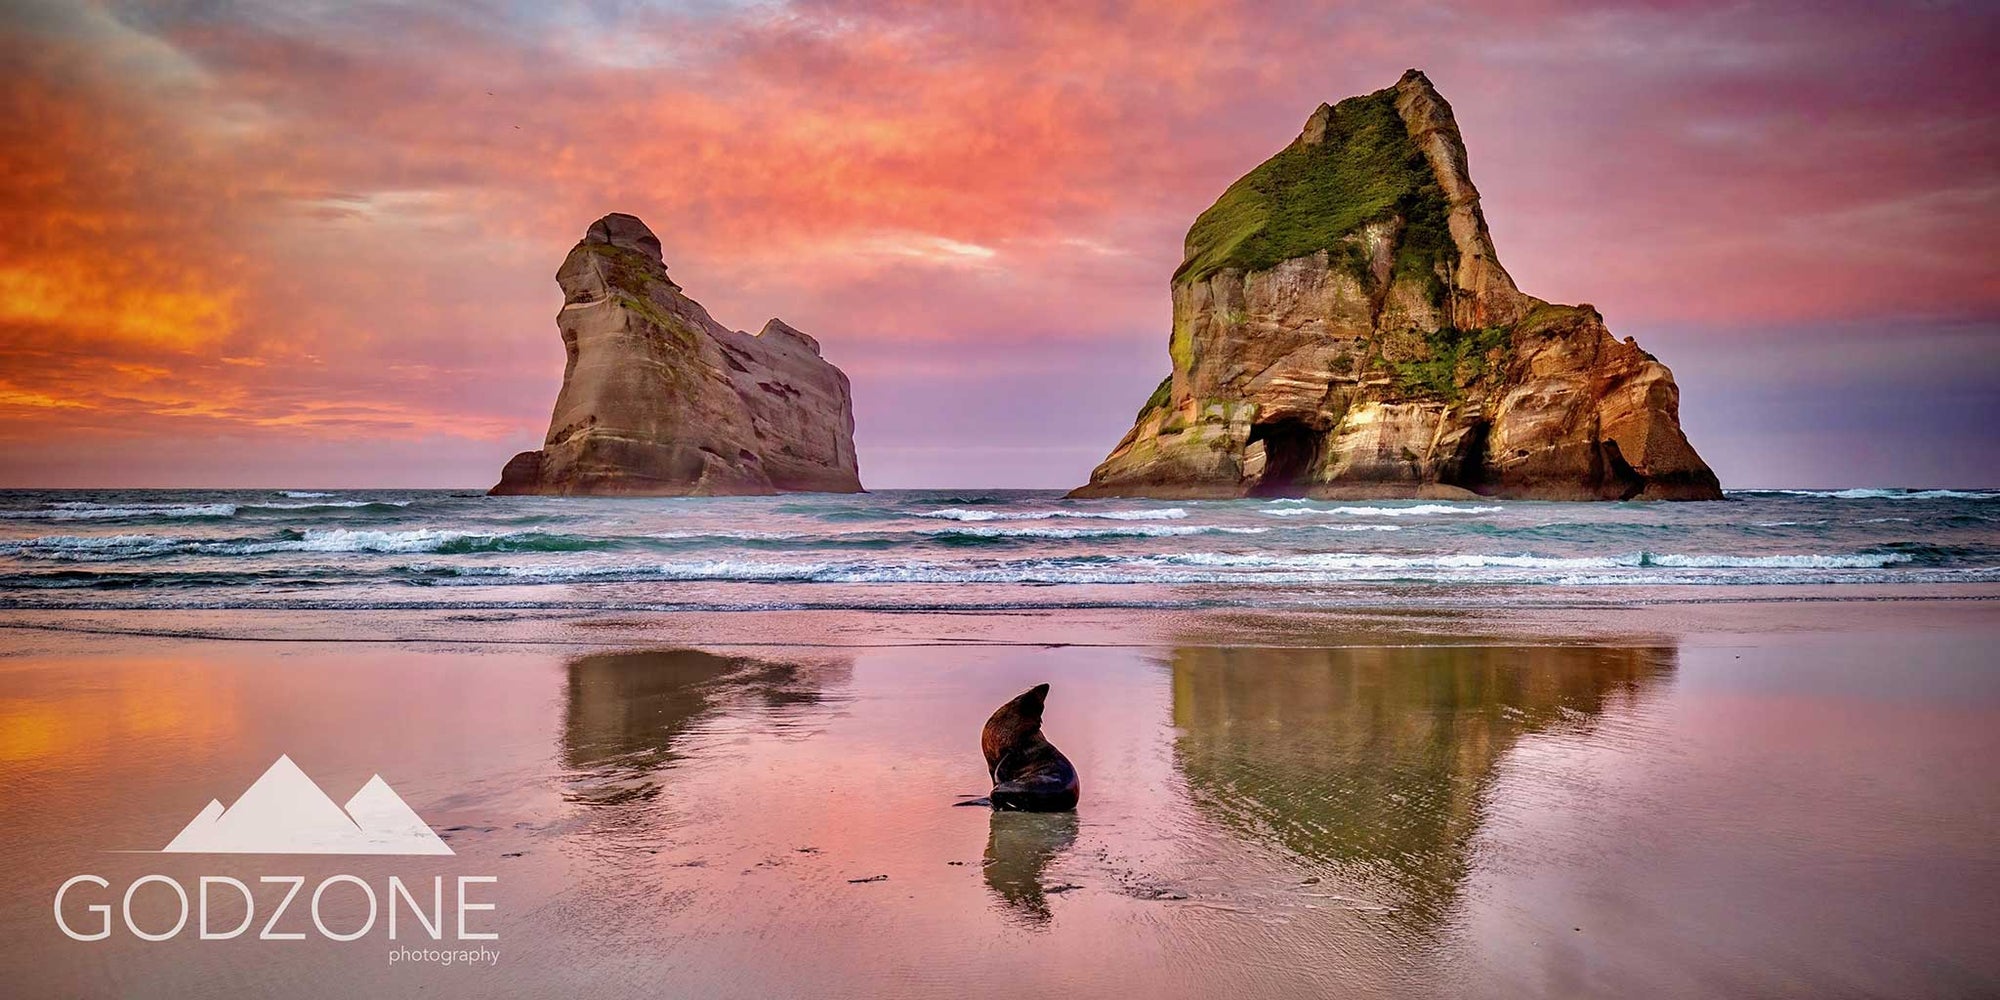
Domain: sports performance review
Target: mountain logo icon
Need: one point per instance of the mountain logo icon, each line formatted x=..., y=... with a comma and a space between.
x=284, y=812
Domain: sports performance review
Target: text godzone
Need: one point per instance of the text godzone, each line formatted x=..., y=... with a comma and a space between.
x=99, y=925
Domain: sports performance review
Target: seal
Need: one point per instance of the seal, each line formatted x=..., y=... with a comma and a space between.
x=1029, y=773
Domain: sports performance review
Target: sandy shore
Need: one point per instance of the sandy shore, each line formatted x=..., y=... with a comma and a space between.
x=1685, y=798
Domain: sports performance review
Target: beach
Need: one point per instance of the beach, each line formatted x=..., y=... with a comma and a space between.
x=1768, y=798
x=1475, y=779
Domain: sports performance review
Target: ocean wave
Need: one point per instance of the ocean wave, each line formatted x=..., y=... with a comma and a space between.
x=1383, y=511
x=1570, y=532
x=967, y=514
x=1316, y=569
x=81, y=511
x=85, y=511
x=1864, y=560
x=1110, y=531
x=1369, y=560
x=330, y=505
x=1469, y=560
x=1167, y=568
x=67, y=579
x=93, y=548
x=111, y=548
x=1876, y=494
x=234, y=549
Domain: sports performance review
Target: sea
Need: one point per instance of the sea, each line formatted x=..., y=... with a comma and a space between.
x=715, y=747
x=950, y=550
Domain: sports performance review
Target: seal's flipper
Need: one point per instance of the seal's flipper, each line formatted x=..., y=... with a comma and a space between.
x=1052, y=790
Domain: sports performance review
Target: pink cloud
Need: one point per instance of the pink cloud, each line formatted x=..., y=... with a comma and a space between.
x=365, y=211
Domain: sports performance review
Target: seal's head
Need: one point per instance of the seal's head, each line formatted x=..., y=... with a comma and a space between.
x=1013, y=724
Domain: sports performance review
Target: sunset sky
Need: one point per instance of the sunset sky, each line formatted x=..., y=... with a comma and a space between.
x=312, y=244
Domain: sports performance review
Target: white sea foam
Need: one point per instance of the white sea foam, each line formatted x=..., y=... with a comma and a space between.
x=1881, y=494
x=1369, y=560
x=85, y=511
x=91, y=548
x=750, y=536
x=1422, y=509
x=1212, y=567
x=1113, y=531
x=78, y=511
x=968, y=514
x=101, y=548
x=515, y=553
x=355, y=540
x=1876, y=560
x=328, y=504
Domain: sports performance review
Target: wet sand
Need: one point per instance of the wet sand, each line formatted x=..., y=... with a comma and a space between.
x=1736, y=798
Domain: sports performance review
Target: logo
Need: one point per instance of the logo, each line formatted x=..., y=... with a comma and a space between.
x=284, y=812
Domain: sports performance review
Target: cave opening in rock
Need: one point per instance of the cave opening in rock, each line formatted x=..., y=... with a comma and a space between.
x=1290, y=450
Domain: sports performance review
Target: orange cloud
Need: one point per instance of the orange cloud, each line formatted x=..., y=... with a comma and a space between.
x=304, y=232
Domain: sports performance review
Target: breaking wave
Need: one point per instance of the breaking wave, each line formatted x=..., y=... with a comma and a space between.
x=227, y=549
x=968, y=514
x=1876, y=494
x=1421, y=509
x=1117, y=531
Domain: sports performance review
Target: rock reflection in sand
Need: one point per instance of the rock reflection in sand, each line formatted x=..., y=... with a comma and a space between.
x=1373, y=764
x=631, y=714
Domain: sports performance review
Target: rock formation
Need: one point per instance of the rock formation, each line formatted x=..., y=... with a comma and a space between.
x=659, y=399
x=1343, y=328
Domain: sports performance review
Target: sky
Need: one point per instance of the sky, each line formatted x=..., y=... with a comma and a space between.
x=313, y=243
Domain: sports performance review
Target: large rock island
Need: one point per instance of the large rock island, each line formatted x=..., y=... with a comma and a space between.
x=658, y=399
x=1343, y=328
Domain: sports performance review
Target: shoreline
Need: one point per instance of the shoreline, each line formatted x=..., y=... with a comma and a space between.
x=1572, y=623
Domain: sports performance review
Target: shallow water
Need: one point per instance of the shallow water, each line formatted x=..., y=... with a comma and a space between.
x=907, y=549
x=1705, y=813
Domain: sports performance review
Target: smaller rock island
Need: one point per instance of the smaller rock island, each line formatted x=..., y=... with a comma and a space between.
x=658, y=399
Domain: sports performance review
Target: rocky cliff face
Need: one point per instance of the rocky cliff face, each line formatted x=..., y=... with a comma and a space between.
x=1343, y=328
x=660, y=399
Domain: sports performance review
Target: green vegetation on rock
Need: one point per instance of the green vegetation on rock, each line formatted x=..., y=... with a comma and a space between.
x=1311, y=195
x=1160, y=396
x=1456, y=358
x=626, y=269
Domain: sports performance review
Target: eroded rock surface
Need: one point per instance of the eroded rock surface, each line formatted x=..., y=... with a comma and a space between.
x=1344, y=328
x=660, y=399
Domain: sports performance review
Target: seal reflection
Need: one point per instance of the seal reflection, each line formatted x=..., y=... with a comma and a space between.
x=1020, y=846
